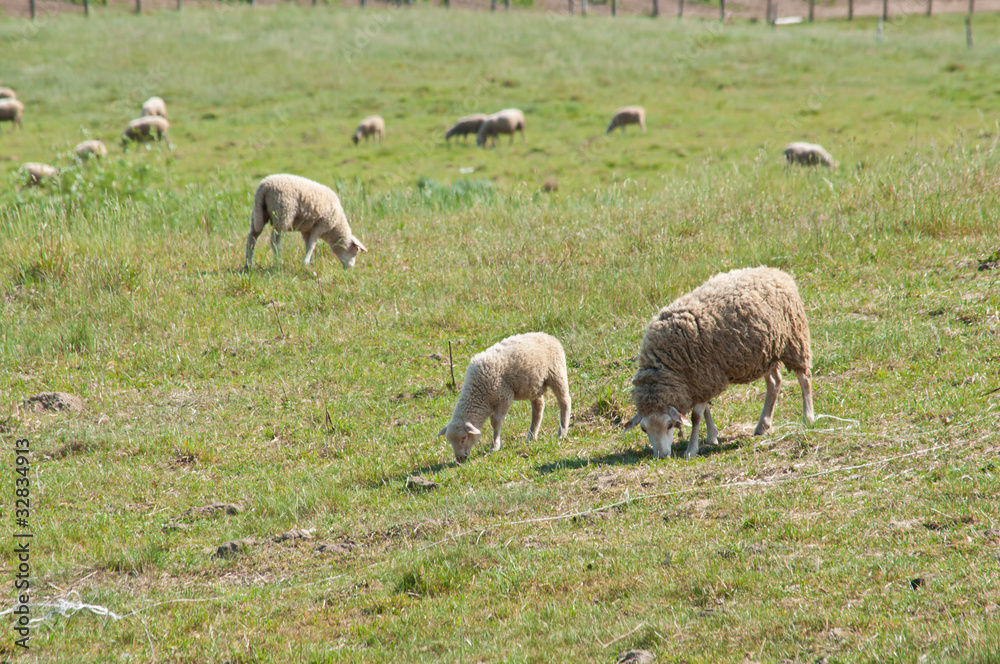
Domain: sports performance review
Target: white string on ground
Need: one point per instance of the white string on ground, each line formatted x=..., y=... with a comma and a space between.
x=66, y=607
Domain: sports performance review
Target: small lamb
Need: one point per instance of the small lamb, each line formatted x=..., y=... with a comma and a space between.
x=146, y=128
x=519, y=368
x=373, y=125
x=11, y=111
x=91, y=148
x=735, y=328
x=507, y=121
x=7, y=93
x=38, y=173
x=626, y=116
x=293, y=203
x=808, y=154
x=154, y=106
x=465, y=126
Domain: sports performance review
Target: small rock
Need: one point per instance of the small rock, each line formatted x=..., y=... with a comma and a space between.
x=294, y=534
x=53, y=401
x=342, y=548
x=637, y=657
x=229, y=509
x=419, y=483
x=917, y=583
x=229, y=549
x=173, y=526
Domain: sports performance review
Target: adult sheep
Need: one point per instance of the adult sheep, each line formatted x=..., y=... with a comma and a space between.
x=38, y=173
x=91, y=148
x=507, y=121
x=519, y=368
x=735, y=328
x=373, y=125
x=626, y=116
x=154, y=106
x=465, y=126
x=146, y=128
x=11, y=110
x=808, y=154
x=294, y=203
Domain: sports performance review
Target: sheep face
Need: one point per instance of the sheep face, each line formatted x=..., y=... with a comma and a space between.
x=659, y=427
x=349, y=253
x=463, y=436
x=356, y=137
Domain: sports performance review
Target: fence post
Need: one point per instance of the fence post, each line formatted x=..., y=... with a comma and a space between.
x=493, y=5
x=930, y=5
x=968, y=29
x=656, y=8
x=850, y=10
x=86, y=7
x=812, y=9
x=972, y=7
x=138, y=6
x=680, y=9
x=767, y=17
x=506, y=5
x=31, y=6
x=614, y=8
x=722, y=10
x=885, y=10
x=583, y=7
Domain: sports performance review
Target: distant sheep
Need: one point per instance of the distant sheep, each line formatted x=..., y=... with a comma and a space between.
x=293, y=203
x=465, y=126
x=154, y=106
x=7, y=93
x=519, y=368
x=91, y=148
x=503, y=122
x=11, y=111
x=147, y=128
x=371, y=126
x=626, y=116
x=735, y=328
x=38, y=173
x=808, y=154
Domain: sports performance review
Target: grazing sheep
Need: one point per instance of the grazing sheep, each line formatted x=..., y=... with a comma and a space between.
x=371, y=126
x=503, y=122
x=154, y=106
x=626, y=116
x=808, y=154
x=91, y=148
x=465, y=126
x=146, y=128
x=7, y=93
x=519, y=368
x=11, y=111
x=293, y=203
x=38, y=173
x=734, y=328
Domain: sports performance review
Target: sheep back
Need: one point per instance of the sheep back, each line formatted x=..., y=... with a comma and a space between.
x=467, y=125
x=628, y=115
x=734, y=328
x=295, y=203
x=506, y=121
x=521, y=365
x=146, y=128
x=93, y=147
x=809, y=154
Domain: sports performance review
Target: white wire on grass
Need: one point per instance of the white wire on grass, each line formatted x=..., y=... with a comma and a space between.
x=67, y=607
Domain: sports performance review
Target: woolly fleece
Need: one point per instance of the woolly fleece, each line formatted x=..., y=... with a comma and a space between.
x=626, y=116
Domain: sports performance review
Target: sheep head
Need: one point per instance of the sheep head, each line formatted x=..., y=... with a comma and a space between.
x=348, y=252
x=463, y=436
x=659, y=428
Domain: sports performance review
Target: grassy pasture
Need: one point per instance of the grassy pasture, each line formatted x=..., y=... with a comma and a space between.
x=309, y=395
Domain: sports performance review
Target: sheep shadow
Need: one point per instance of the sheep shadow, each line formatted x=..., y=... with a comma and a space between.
x=631, y=457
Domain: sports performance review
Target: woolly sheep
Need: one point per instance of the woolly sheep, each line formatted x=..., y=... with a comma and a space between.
x=519, y=368
x=154, y=106
x=734, y=328
x=626, y=116
x=37, y=173
x=507, y=121
x=371, y=126
x=146, y=128
x=7, y=93
x=294, y=203
x=467, y=125
x=91, y=148
x=808, y=154
x=11, y=111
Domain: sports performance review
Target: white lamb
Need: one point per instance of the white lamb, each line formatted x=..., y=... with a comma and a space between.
x=154, y=106
x=519, y=368
x=371, y=126
x=11, y=111
x=91, y=148
x=507, y=121
x=735, y=328
x=294, y=203
x=626, y=116
x=146, y=128
x=808, y=154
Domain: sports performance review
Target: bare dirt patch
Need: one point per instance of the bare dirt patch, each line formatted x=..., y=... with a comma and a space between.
x=53, y=402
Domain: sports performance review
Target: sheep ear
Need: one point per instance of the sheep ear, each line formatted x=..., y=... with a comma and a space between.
x=675, y=416
x=442, y=432
x=471, y=429
x=644, y=376
x=356, y=241
x=634, y=421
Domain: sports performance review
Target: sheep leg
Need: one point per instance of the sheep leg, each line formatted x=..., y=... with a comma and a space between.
x=314, y=237
x=696, y=414
x=807, y=397
x=496, y=421
x=560, y=388
x=257, y=223
x=773, y=380
x=713, y=434
x=537, y=408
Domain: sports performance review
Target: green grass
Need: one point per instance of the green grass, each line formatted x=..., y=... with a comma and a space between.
x=306, y=394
